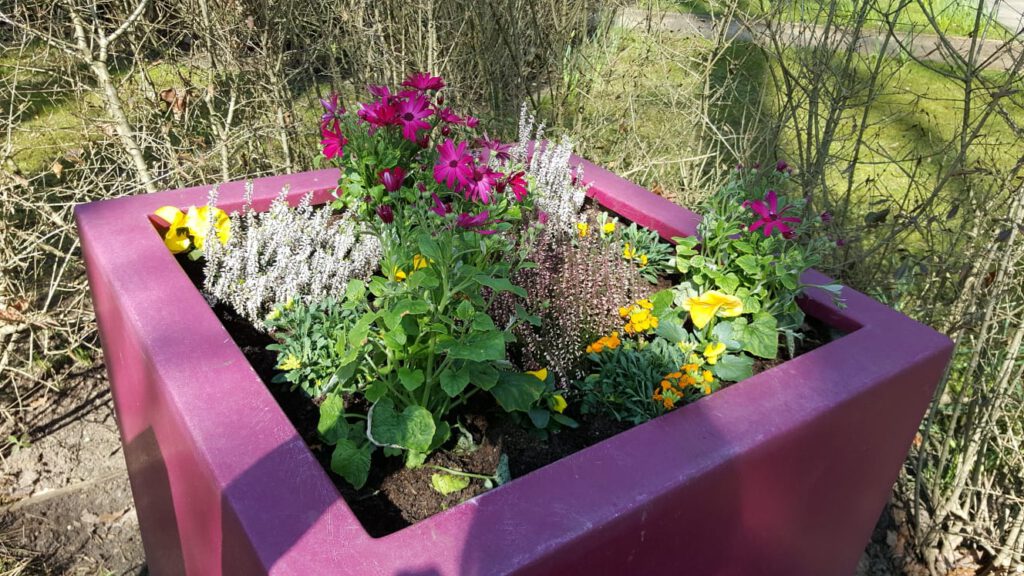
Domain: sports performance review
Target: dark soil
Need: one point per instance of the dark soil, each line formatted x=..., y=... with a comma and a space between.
x=394, y=496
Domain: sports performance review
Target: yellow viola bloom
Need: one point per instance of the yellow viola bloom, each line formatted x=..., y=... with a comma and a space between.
x=419, y=261
x=191, y=228
x=608, y=228
x=708, y=376
x=290, y=362
x=713, y=352
x=643, y=260
x=399, y=274
x=557, y=403
x=710, y=304
x=583, y=228
x=541, y=374
x=628, y=252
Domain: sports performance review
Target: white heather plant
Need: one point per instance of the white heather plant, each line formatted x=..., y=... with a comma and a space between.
x=284, y=255
x=558, y=188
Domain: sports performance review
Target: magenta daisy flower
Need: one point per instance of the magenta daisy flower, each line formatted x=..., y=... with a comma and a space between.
x=448, y=116
x=454, y=167
x=518, y=185
x=481, y=184
x=332, y=110
x=771, y=218
x=333, y=141
x=440, y=208
x=387, y=215
x=382, y=92
x=411, y=113
x=378, y=114
x=392, y=178
x=422, y=81
x=465, y=220
x=496, y=148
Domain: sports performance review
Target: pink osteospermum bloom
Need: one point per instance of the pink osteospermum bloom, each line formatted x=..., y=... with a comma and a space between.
x=472, y=121
x=481, y=184
x=386, y=214
x=378, y=114
x=518, y=185
x=495, y=147
x=422, y=81
x=392, y=178
x=440, y=208
x=411, y=113
x=448, y=116
x=382, y=92
x=771, y=218
x=465, y=220
x=332, y=109
x=333, y=141
x=454, y=167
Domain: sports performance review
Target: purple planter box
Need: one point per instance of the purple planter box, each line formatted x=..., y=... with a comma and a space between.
x=784, y=473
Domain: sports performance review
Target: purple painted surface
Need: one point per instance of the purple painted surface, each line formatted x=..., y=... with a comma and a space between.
x=782, y=474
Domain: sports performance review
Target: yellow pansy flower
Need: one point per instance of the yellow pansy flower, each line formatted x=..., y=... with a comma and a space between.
x=399, y=274
x=583, y=228
x=710, y=304
x=192, y=227
x=643, y=260
x=608, y=228
x=290, y=362
x=628, y=252
x=713, y=352
x=419, y=261
x=541, y=374
x=708, y=376
x=557, y=403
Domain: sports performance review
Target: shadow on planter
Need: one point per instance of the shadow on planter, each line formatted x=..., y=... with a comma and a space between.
x=151, y=489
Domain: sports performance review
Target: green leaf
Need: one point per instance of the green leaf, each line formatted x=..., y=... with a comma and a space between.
x=483, y=323
x=540, y=417
x=412, y=429
x=482, y=375
x=727, y=282
x=480, y=347
x=749, y=264
x=357, y=336
x=734, y=367
x=332, y=425
x=499, y=284
x=503, y=475
x=564, y=420
x=410, y=379
x=465, y=310
x=355, y=291
x=430, y=248
x=453, y=382
x=671, y=330
x=760, y=337
x=414, y=459
x=448, y=483
x=517, y=392
x=661, y=301
x=723, y=332
x=352, y=462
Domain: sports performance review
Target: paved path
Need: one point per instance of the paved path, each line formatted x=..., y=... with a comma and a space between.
x=1010, y=13
x=996, y=54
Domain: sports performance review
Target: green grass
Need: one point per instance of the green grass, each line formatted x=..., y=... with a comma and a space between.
x=952, y=17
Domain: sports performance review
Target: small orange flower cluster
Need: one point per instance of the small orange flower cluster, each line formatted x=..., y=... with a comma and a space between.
x=604, y=343
x=671, y=390
x=639, y=317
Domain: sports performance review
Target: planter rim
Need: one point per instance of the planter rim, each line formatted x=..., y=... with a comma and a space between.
x=277, y=494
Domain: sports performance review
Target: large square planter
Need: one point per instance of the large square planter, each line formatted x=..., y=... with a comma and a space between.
x=784, y=473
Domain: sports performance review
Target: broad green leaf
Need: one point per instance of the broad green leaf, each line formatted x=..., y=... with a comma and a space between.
x=481, y=347
x=564, y=420
x=540, y=417
x=483, y=323
x=355, y=291
x=517, y=392
x=453, y=381
x=441, y=435
x=332, y=425
x=352, y=462
x=724, y=333
x=749, y=264
x=760, y=337
x=465, y=310
x=482, y=375
x=499, y=284
x=671, y=330
x=430, y=248
x=448, y=483
x=661, y=301
x=734, y=367
x=357, y=336
x=410, y=379
x=412, y=429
